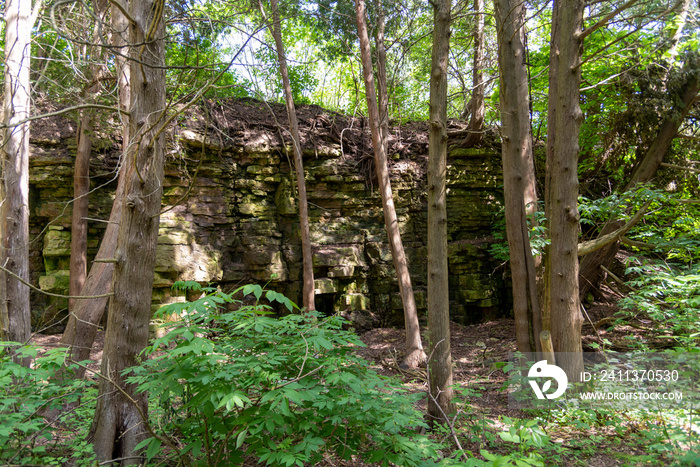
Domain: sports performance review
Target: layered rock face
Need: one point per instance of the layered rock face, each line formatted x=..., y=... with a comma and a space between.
x=230, y=214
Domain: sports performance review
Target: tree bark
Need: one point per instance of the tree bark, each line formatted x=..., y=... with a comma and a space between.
x=478, y=104
x=440, y=364
x=518, y=170
x=118, y=425
x=382, y=83
x=414, y=348
x=307, y=259
x=15, y=314
x=654, y=156
x=83, y=320
x=590, y=272
x=81, y=173
x=81, y=188
x=677, y=31
x=561, y=192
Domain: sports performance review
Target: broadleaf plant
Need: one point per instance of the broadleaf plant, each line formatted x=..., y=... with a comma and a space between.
x=232, y=382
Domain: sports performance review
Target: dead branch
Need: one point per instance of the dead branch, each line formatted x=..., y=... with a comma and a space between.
x=77, y=297
x=680, y=167
x=592, y=245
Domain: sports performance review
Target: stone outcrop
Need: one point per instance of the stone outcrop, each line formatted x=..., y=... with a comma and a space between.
x=230, y=215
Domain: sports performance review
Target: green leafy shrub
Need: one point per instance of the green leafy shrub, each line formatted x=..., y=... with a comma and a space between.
x=529, y=439
x=670, y=297
x=26, y=437
x=669, y=228
x=673, y=231
x=236, y=385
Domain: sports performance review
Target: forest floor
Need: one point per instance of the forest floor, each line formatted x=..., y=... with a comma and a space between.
x=476, y=349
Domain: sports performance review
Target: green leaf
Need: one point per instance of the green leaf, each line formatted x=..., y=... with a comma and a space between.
x=153, y=448
x=143, y=444
x=241, y=438
x=505, y=436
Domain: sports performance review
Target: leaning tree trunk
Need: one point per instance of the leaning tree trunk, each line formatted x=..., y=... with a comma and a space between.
x=518, y=170
x=83, y=320
x=440, y=363
x=118, y=425
x=590, y=272
x=414, y=348
x=81, y=173
x=382, y=82
x=307, y=260
x=677, y=29
x=561, y=192
x=15, y=315
x=478, y=104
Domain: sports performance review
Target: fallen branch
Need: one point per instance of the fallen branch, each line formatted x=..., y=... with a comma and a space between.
x=617, y=279
x=629, y=242
x=590, y=246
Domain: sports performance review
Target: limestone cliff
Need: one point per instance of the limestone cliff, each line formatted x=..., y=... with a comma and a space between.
x=229, y=212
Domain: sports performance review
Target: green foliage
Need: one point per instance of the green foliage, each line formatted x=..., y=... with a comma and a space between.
x=26, y=437
x=663, y=438
x=619, y=206
x=673, y=230
x=536, y=231
x=231, y=385
x=670, y=228
x=302, y=77
x=668, y=296
x=530, y=440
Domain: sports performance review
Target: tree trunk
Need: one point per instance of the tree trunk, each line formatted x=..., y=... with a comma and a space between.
x=81, y=188
x=81, y=173
x=118, y=425
x=654, y=156
x=382, y=83
x=561, y=193
x=478, y=104
x=590, y=272
x=518, y=170
x=15, y=314
x=440, y=364
x=83, y=320
x=677, y=29
x=120, y=42
x=414, y=348
x=307, y=260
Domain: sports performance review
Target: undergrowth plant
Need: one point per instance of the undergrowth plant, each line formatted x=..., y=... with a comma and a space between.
x=29, y=393
x=667, y=297
x=670, y=297
x=232, y=382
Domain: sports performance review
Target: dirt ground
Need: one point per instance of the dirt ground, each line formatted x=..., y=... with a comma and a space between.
x=475, y=350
